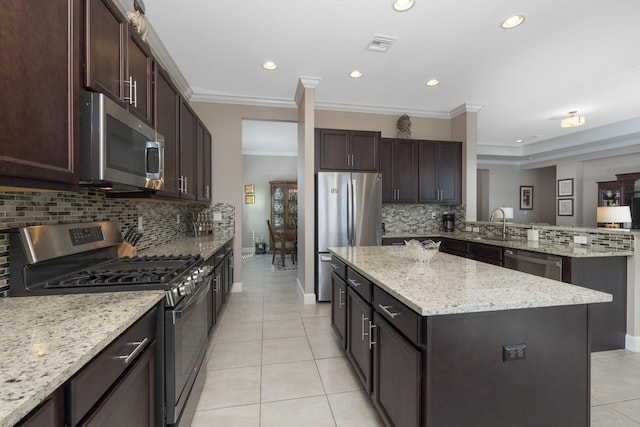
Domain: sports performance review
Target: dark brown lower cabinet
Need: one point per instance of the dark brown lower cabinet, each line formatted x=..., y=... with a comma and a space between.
x=50, y=413
x=131, y=401
x=396, y=375
x=359, y=326
x=339, y=308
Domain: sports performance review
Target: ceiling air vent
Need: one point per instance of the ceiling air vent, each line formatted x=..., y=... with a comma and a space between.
x=381, y=43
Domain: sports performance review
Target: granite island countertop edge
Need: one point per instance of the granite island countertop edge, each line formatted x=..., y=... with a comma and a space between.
x=455, y=285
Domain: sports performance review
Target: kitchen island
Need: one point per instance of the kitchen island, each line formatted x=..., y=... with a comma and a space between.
x=459, y=342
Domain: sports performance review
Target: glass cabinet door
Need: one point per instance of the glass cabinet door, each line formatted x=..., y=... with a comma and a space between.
x=610, y=194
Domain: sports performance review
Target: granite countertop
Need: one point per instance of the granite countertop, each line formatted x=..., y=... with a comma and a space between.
x=450, y=284
x=576, y=251
x=47, y=339
x=202, y=245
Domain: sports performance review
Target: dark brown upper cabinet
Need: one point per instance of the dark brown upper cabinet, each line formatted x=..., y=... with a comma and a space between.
x=187, y=178
x=347, y=150
x=167, y=119
x=39, y=79
x=440, y=172
x=399, y=169
x=203, y=166
x=118, y=62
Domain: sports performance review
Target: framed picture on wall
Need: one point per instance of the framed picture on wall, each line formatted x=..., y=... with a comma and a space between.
x=565, y=187
x=249, y=189
x=526, y=197
x=249, y=199
x=565, y=207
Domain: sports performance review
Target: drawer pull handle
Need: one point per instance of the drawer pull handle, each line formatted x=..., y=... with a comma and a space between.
x=385, y=310
x=354, y=282
x=334, y=266
x=139, y=346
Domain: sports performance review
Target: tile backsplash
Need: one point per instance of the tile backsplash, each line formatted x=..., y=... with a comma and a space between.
x=20, y=209
x=417, y=218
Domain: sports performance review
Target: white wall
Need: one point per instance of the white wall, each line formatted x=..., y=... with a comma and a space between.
x=504, y=190
x=258, y=171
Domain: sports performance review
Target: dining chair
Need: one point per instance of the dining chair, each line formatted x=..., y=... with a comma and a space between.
x=282, y=245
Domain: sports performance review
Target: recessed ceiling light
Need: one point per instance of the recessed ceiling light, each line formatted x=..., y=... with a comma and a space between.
x=356, y=74
x=433, y=82
x=512, y=22
x=402, y=5
x=269, y=65
x=519, y=140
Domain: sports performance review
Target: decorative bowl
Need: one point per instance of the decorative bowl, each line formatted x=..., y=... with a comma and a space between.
x=422, y=252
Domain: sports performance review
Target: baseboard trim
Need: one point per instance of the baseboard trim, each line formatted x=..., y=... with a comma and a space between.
x=305, y=298
x=632, y=343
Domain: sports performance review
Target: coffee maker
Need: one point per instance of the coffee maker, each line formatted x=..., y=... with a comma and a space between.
x=448, y=222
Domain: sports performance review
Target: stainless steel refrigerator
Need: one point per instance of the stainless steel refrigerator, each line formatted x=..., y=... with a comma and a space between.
x=348, y=213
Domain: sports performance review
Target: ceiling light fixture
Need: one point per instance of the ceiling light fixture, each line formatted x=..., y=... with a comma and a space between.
x=519, y=140
x=356, y=74
x=512, y=22
x=269, y=65
x=402, y=5
x=433, y=82
x=572, y=120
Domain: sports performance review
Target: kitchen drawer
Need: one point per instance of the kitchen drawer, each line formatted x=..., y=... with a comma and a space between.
x=399, y=315
x=454, y=247
x=339, y=267
x=486, y=253
x=361, y=285
x=88, y=386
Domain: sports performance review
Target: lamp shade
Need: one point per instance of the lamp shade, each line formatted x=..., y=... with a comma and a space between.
x=614, y=214
x=508, y=213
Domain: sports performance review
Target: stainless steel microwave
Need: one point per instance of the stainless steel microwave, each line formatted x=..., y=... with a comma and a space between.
x=117, y=150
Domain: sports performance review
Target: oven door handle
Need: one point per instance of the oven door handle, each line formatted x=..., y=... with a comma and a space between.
x=194, y=298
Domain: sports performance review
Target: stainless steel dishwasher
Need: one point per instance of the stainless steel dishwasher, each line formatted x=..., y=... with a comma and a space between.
x=544, y=265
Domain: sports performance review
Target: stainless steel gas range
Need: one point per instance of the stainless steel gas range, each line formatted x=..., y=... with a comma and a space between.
x=83, y=258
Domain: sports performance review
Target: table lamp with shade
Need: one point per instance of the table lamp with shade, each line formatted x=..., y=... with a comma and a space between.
x=613, y=216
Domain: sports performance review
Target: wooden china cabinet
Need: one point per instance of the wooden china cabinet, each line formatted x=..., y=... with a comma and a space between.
x=284, y=204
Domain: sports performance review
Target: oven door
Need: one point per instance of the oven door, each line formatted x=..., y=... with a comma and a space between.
x=185, y=348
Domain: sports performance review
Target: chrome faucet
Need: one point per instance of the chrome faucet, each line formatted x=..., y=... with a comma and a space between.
x=504, y=221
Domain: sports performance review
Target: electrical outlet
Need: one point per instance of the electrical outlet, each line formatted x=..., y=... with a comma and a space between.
x=433, y=215
x=476, y=229
x=467, y=228
x=514, y=352
x=217, y=216
x=178, y=219
x=580, y=240
x=140, y=225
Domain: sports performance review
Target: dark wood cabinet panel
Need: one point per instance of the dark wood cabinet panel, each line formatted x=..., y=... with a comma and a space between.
x=118, y=62
x=343, y=150
x=167, y=114
x=187, y=151
x=339, y=308
x=440, y=172
x=397, y=379
x=468, y=382
x=203, y=138
x=398, y=166
x=50, y=413
x=358, y=336
x=486, y=253
x=140, y=71
x=132, y=400
x=106, y=29
x=608, y=321
x=39, y=81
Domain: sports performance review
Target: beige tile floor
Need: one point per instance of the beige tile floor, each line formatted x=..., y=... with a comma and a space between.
x=273, y=361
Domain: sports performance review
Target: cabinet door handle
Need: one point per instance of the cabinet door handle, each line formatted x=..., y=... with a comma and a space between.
x=364, y=319
x=371, y=342
x=186, y=184
x=354, y=282
x=139, y=346
x=340, y=302
x=385, y=310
